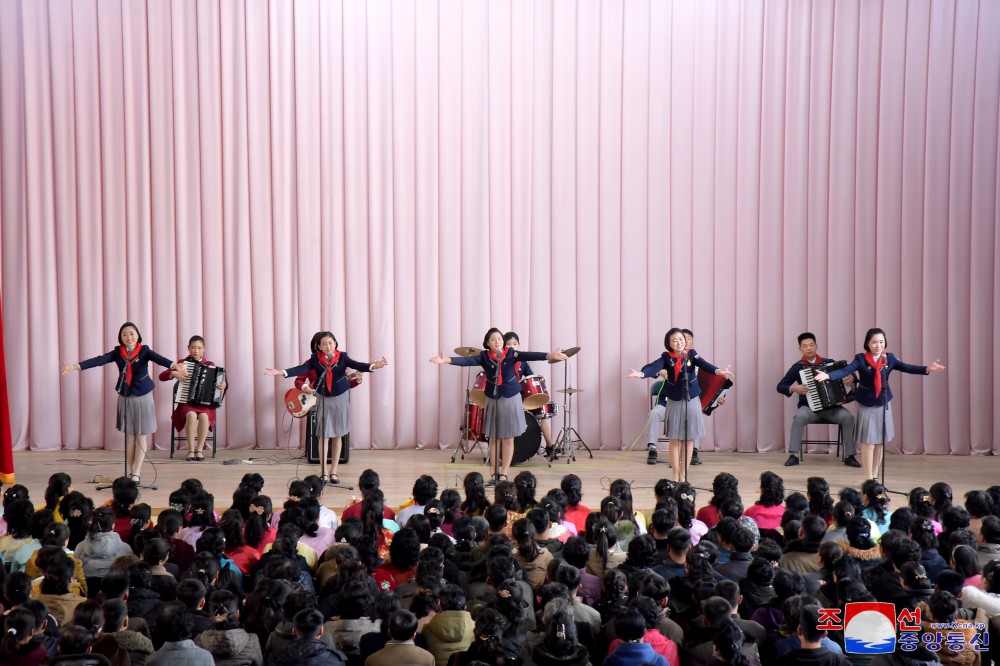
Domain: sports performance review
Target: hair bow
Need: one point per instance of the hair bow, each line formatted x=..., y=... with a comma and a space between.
x=257, y=509
x=433, y=510
x=75, y=513
x=218, y=619
x=177, y=507
x=685, y=496
x=561, y=632
x=925, y=498
x=293, y=498
x=504, y=594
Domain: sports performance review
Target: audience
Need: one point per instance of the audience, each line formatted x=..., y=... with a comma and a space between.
x=534, y=578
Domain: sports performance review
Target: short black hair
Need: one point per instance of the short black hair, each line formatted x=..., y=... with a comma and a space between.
x=308, y=623
x=174, y=623
x=452, y=598
x=978, y=503
x=813, y=529
x=943, y=606
x=990, y=530
x=425, y=488
x=496, y=517
x=678, y=539
x=630, y=625
x=191, y=592
x=664, y=518
x=115, y=612
x=402, y=625
x=576, y=551
x=742, y=540
x=74, y=639
x=728, y=590
x=806, y=335
x=715, y=610
x=949, y=580
x=809, y=623
x=654, y=586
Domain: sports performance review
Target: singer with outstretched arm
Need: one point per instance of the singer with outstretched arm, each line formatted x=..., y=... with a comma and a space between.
x=504, y=418
x=680, y=394
x=873, y=425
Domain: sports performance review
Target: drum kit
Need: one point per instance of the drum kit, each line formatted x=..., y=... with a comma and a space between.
x=537, y=404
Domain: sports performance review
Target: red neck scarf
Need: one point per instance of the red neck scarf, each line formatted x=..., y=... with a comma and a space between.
x=129, y=360
x=493, y=356
x=517, y=370
x=877, y=367
x=817, y=359
x=678, y=361
x=328, y=362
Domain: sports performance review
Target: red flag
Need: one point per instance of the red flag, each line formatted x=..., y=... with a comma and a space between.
x=6, y=445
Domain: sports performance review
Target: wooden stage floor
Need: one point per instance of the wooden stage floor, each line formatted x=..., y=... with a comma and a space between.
x=398, y=469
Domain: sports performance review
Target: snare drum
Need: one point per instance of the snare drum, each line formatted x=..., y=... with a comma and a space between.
x=534, y=392
x=546, y=411
x=473, y=417
x=478, y=393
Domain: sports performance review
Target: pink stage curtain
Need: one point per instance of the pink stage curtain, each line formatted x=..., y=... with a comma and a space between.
x=585, y=172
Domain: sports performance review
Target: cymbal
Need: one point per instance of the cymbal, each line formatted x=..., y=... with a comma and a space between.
x=571, y=391
x=467, y=351
x=478, y=397
x=572, y=351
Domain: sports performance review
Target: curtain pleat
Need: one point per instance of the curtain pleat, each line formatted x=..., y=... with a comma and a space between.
x=584, y=172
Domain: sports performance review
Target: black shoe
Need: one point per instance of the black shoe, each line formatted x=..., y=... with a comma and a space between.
x=695, y=460
x=651, y=457
x=792, y=461
x=851, y=461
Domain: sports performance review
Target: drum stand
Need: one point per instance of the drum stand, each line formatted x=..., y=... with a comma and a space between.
x=568, y=435
x=464, y=441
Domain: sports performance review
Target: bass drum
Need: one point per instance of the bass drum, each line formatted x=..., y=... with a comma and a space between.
x=527, y=444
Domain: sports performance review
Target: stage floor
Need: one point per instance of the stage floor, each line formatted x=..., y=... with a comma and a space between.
x=399, y=468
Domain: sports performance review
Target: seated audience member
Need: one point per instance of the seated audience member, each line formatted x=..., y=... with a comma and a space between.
x=400, y=650
x=811, y=652
x=174, y=625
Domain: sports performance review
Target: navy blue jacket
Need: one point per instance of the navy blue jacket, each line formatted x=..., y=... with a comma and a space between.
x=673, y=387
x=792, y=377
x=142, y=383
x=339, y=370
x=510, y=386
x=865, y=393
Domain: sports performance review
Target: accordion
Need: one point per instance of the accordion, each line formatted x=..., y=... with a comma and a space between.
x=201, y=387
x=712, y=388
x=824, y=395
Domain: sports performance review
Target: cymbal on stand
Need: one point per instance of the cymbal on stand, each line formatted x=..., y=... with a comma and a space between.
x=467, y=351
x=571, y=391
x=572, y=351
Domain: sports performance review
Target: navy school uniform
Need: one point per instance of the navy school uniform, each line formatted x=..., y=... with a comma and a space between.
x=142, y=383
x=510, y=383
x=338, y=370
x=865, y=392
x=673, y=386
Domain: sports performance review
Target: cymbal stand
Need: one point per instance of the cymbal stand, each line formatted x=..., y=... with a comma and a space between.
x=464, y=428
x=568, y=435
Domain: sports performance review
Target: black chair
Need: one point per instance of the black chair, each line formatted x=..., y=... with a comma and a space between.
x=176, y=436
x=839, y=442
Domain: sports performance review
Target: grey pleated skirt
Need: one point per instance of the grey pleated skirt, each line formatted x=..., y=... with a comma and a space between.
x=868, y=425
x=674, y=420
x=333, y=415
x=509, y=417
x=138, y=413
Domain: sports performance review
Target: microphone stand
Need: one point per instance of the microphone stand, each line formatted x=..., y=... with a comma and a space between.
x=885, y=414
x=497, y=445
x=687, y=400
